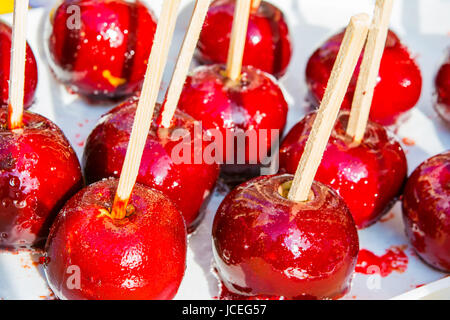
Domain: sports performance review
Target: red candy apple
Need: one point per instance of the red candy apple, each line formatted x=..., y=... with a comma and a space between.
x=267, y=245
x=31, y=73
x=369, y=176
x=398, y=87
x=426, y=211
x=187, y=182
x=91, y=256
x=39, y=171
x=99, y=49
x=442, y=83
x=268, y=44
x=254, y=105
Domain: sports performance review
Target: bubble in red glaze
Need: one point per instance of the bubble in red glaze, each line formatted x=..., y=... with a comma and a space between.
x=267, y=245
x=39, y=171
x=268, y=45
x=426, y=211
x=92, y=256
x=394, y=259
x=399, y=82
x=31, y=72
x=105, y=56
x=186, y=182
x=369, y=176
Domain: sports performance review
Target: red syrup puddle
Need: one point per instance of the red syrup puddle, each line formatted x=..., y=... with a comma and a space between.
x=394, y=259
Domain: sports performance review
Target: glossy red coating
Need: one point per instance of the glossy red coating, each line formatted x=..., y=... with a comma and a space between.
x=39, y=171
x=267, y=245
x=369, y=176
x=105, y=57
x=268, y=44
x=91, y=256
x=254, y=103
x=442, y=83
x=31, y=72
x=186, y=182
x=426, y=211
x=399, y=84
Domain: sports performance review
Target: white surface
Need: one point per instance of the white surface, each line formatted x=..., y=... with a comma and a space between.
x=438, y=290
x=423, y=25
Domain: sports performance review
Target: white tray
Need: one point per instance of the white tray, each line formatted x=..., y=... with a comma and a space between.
x=423, y=25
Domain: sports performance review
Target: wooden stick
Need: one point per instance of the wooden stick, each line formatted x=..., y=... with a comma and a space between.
x=368, y=74
x=238, y=37
x=17, y=71
x=255, y=5
x=146, y=106
x=351, y=47
x=184, y=61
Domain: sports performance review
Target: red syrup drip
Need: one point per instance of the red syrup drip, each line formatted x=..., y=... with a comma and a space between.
x=394, y=259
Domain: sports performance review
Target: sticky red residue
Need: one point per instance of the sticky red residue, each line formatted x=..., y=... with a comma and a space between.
x=387, y=217
x=408, y=142
x=419, y=285
x=80, y=142
x=394, y=259
x=81, y=125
